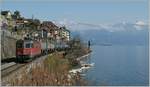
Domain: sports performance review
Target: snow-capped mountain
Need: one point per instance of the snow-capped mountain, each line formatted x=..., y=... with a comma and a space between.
x=119, y=33
x=124, y=26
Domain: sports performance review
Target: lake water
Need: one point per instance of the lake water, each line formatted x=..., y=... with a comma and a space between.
x=119, y=65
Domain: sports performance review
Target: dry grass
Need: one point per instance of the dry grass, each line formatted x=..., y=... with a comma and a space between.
x=53, y=72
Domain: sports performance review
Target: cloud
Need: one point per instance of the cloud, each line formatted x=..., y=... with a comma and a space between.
x=140, y=23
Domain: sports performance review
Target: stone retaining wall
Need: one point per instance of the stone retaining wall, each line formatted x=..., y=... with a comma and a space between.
x=8, y=47
x=23, y=70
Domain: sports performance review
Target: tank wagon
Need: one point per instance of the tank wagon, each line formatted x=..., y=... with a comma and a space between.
x=46, y=47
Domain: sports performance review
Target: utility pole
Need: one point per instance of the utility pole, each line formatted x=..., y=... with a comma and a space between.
x=32, y=16
x=89, y=44
x=46, y=43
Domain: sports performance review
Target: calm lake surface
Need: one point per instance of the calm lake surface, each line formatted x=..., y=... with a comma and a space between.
x=119, y=65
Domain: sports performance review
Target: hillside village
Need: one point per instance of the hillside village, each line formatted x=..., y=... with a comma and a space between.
x=21, y=27
x=15, y=27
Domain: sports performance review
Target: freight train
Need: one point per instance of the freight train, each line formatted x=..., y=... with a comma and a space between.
x=27, y=50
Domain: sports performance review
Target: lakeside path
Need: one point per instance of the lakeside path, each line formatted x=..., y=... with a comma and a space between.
x=84, y=56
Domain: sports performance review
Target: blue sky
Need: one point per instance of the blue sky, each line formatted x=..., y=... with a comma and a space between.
x=86, y=11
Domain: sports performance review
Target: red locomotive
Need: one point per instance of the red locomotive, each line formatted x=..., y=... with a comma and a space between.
x=26, y=50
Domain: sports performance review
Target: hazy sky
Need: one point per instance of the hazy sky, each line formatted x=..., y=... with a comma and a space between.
x=86, y=11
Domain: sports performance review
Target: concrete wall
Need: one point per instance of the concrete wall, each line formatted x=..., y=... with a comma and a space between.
x=8, y=46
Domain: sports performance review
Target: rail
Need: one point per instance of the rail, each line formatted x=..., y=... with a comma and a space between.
x=10, y=69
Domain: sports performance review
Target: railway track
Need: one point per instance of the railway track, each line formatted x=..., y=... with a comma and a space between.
x=10, y=69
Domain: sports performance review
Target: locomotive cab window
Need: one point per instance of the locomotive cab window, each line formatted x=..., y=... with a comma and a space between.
x=28, y=45
x=19, y=45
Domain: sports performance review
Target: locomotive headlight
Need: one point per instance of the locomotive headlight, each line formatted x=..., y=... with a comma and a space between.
x=36, y=35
